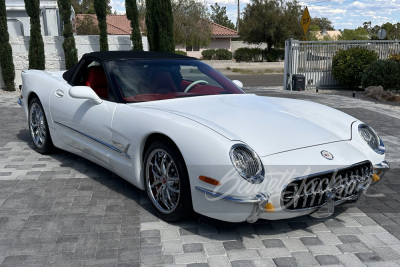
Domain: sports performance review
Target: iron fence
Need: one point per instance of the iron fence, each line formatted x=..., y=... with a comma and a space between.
x=313, y=59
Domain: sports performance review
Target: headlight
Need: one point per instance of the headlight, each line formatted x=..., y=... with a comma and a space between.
x=247, y=163
x=371, y=138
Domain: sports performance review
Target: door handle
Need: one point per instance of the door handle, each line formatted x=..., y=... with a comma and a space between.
x=59, y=93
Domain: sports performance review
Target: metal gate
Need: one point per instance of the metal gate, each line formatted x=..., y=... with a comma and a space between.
x=313, y=59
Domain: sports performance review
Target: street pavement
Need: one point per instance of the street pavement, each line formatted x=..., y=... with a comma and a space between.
x=62, y=210
x=273, y=79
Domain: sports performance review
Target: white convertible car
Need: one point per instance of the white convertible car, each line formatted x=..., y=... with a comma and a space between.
x=190, y=137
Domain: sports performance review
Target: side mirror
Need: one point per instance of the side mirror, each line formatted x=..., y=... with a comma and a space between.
x=238, y=83
x=84, y=92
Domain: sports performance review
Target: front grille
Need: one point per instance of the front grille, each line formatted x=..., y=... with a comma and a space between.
x=309, y=192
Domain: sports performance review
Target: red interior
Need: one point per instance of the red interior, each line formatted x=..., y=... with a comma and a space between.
x=97, y=81
x=162, y=82
x=196, y=91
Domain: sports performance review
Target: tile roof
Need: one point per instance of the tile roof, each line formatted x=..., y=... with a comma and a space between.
x=116, y=24
x=120, y=25
x=222, y=31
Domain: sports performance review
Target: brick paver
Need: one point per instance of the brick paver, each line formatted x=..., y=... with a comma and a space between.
x=62, y=210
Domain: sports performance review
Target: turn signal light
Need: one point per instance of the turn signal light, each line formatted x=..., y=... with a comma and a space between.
x=269, y=207
x=209, y=180
x=375, y=177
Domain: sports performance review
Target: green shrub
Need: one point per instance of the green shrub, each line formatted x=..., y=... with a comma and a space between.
x=180, y=52
x=394, y=57
x=248, y=54
x=69, y=47
x=223, y=54
x=100, y=7
x=6, y=59
x=208, y=54
x=36, y=55
x=160, y=25
x=348, y=65
x=384, y=73
x=132, y=14
x=274, y=55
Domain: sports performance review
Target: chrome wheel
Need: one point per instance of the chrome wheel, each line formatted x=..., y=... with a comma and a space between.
x=37, y=125
x=162, y=181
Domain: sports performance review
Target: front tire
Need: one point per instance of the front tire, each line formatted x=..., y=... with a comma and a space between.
x=167, y=182
x=39, y=128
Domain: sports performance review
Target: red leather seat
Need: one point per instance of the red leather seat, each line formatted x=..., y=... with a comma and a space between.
x=97, y=81
x=162, y=82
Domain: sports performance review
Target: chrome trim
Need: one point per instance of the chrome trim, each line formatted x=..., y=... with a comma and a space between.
x=327, y=209
x=382, y=167
x=258, y=209
x=381, y=149
x=259, y=176
x=123, y=153
x=259, y=201
x=19, y=101
x=235, y=199
x=337, y=202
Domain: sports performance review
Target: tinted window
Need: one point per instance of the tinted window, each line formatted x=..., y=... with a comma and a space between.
x=148, y=80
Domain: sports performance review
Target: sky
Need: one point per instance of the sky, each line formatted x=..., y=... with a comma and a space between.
x=344, y=14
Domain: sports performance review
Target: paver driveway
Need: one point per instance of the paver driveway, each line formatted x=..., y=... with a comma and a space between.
x=62, y=210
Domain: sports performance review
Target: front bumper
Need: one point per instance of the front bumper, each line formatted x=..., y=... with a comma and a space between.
x=260, y=200
x=380, y=169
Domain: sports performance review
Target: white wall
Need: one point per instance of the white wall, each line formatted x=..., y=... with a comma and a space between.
x=216, y=43
x=54, y=52
x=239, y=44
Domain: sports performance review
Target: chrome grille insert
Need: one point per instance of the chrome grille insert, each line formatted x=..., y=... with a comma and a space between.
x=309, y=192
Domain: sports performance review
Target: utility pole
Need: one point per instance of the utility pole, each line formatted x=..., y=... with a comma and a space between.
x=238, y=17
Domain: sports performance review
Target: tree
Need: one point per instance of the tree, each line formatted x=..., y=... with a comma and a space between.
x=367, y=25
x=357, y=34
x=69, y=47
x=36, y=45
x=322, y=23
x=133, y=15
x=87, y=6
x=100, y=7
x=219, y=16
x=6, y=59
x=160, y=28
x=190, y=23
x=271, y=21
x=86, y=26
x=392, y=30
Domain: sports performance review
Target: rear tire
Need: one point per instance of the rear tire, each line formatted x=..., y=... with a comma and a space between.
x=167, y=182
x=39, y=128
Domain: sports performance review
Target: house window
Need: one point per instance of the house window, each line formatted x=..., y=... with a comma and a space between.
x=190, y=48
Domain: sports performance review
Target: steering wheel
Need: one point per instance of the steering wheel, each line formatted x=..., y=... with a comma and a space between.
x=193, y=84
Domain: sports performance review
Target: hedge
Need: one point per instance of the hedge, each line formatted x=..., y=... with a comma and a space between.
x=384, y=73
x=348, y=65
x=223, y=54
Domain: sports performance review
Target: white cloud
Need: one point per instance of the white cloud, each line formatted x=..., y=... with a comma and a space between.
x=358, y=4
x=118, y=6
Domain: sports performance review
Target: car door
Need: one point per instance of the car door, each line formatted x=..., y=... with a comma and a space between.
x=82, y=123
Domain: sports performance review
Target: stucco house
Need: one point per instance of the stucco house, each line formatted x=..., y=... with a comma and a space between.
x=330, y=35
x=221, y=36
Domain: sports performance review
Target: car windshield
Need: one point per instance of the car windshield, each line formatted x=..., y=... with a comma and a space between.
x=149, y=80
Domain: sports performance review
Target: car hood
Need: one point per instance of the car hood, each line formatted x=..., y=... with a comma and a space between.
x=267, y=124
